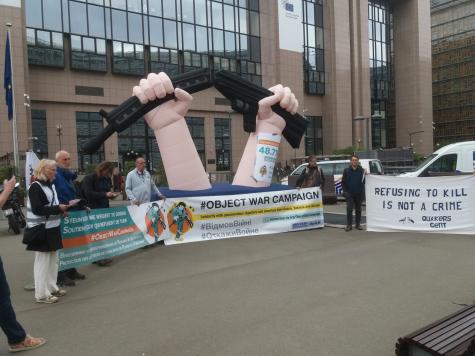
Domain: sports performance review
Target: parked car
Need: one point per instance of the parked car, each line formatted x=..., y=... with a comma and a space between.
x=456, y=158
x=335, y=169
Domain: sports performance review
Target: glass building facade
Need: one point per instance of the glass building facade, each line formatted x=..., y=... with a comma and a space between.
x=138, y=36
x=383, y=128
x=453, y=70
x=314, y=55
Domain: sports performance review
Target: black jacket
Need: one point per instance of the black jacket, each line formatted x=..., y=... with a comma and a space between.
x=41, y=206
x=94, y=189
x=353, y=180
x=307, y=174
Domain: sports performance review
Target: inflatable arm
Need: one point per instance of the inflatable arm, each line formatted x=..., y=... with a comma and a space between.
x=269, y=127
x=181, y=161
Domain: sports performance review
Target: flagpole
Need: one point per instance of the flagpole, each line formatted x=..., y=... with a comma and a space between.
x=16, y=157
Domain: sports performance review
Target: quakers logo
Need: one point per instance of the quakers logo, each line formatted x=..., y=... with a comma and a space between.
x=180, y=220
x=155, y=221
x=406, y=220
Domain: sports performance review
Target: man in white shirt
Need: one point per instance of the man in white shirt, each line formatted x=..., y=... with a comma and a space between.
x=139, y=185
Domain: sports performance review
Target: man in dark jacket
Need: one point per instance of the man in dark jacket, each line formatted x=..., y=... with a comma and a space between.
x=353, y=189
x=96, y=188
x=64, y=183
x=312, y=175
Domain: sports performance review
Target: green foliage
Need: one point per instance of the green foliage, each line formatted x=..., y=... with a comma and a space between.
x=128, y=166
x=418, y=158
x=345, y=151
x=160, y=173
x=6, y=172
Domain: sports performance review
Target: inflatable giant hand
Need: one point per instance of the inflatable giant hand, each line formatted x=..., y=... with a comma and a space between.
x=181, y=161
x=257, y=162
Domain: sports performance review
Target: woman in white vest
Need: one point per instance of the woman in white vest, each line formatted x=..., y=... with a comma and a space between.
x=43, y=208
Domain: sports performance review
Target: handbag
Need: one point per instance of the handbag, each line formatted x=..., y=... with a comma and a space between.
x=36, y=235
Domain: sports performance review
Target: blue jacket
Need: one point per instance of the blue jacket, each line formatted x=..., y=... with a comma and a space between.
x=353, y=180
x=64, y=183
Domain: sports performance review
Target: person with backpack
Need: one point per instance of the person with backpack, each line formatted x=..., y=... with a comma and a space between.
x=312, y=175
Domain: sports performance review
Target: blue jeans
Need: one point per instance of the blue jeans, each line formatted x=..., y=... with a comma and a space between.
x=10, y=326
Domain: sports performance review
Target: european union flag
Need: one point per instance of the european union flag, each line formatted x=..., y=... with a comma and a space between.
x=7, y=79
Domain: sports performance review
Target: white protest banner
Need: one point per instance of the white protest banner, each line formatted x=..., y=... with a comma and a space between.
x=266, y=154
x=432, y=204
x=225, y=216
x=32, y=161
x=104, y=233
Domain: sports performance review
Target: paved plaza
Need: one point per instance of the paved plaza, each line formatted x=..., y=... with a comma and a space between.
x=320, y=292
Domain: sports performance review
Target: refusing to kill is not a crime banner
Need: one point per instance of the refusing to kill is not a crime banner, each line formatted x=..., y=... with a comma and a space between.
x=432, y=204
x=104, y=233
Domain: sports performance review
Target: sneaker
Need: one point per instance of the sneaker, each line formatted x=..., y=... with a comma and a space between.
x=358, y=227
x=76, y=275
x=59, y=293
x=47, y=300
x=348, y=228
x=29, y=343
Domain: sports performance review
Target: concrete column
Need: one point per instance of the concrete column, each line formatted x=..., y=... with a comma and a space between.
x=360, y=77
x=337, y=102
x=413, y=73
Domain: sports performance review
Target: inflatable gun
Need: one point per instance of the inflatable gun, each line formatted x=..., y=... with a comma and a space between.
x=245, y=97
x=132, y=109
x=243, y=94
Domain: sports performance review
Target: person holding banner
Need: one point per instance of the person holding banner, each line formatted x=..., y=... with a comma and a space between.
x=352, y=181
x=139, y=184
x=64, y=183
x=96, y=188
x=312, y=176
x=43, y=208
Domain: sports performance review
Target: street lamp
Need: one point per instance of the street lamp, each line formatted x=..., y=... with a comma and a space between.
x=59, y=130
x=411, y=134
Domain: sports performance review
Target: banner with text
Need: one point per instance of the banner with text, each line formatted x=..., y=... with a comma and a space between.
x=432, y=204
x=104, y=233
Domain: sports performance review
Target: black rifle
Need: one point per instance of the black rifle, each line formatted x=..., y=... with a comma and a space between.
x=132, y=109
x=245, y=96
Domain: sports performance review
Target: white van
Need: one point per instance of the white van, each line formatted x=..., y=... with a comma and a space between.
x=335, y=168
x=452, y=159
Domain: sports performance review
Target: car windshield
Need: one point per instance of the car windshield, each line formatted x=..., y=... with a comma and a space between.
x=425, y=161
x=375, y=167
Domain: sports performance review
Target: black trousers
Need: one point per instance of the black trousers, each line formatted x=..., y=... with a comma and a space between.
x=353, y=200
x=10, y=326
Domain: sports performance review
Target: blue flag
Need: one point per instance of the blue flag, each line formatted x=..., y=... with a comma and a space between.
x=7, y=79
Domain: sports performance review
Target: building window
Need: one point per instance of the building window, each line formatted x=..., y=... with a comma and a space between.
x=313, y=61
x=138, y=140
x=453, y=71
x=45, y=48
x=128, y=58
x=88, y=53
x=314, y=136
x=381, y=73
x=39, y=131
x=196, y=125
x=88, y=124
x=222, y=140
